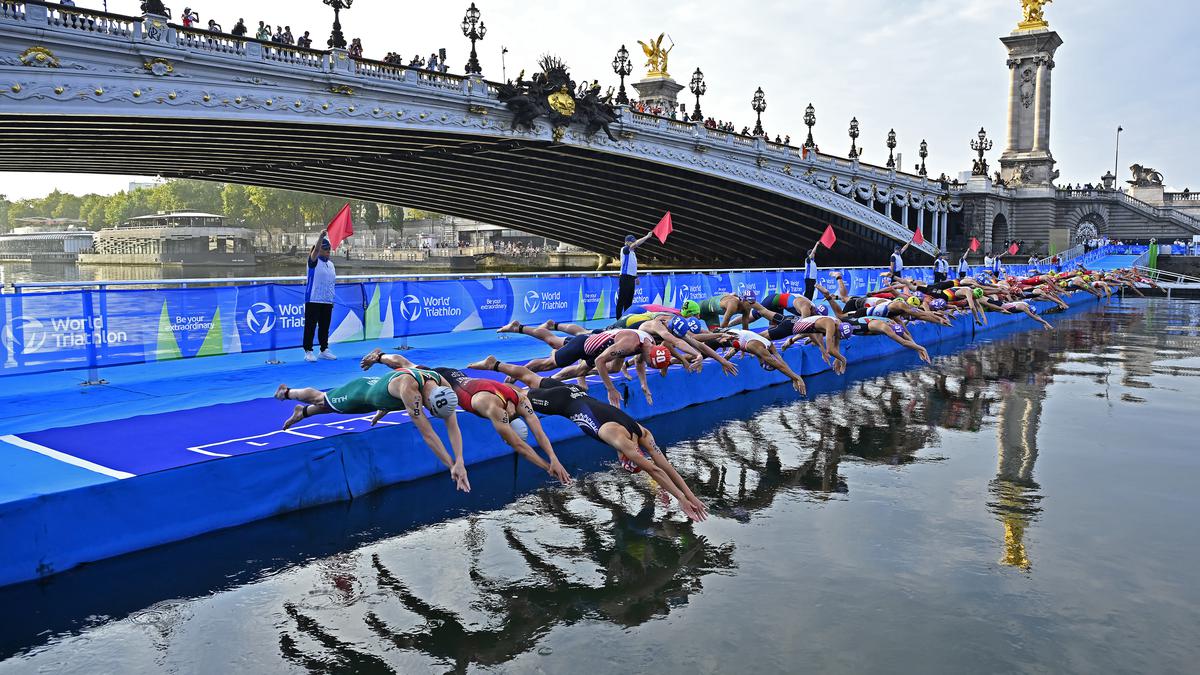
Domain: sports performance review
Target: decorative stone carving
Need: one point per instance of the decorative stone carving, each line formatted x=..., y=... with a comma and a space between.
x=159, y=67
x=1144, y=176
x=1026, y=87
x=38, y=57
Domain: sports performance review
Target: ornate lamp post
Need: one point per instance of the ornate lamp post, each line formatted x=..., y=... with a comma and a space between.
x=854, y=153
x=622, y=67
x=810, y=120
x=923, y=153
x=698, y=88
x=891, y=145
x=473, y=29
x=759, y=103
x=981, y=146
x=336, y=39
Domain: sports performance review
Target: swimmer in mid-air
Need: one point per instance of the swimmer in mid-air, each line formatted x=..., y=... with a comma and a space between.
x=608, y=424
x=407, y=389
x=749, y=342
x=499, y=403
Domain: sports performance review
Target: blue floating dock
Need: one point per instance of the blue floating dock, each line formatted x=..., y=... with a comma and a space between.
x=170, y=450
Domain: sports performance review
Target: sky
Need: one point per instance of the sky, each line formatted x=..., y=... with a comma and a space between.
x=930, y=69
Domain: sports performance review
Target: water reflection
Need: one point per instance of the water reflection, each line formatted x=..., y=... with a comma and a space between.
x=505, y=567
x=647, y=566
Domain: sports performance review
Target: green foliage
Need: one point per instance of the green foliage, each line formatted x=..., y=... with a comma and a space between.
x=249, y=206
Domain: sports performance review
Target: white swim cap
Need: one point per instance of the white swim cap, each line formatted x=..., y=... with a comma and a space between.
x=521, y=428
x=442, y=402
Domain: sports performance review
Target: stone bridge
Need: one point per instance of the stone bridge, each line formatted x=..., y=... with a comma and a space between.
x=91, y=92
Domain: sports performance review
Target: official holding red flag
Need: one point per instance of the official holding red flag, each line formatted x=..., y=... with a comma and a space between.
x=628, y=281
x=320, y=289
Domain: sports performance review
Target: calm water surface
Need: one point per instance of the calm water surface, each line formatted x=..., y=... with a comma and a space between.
x=1027, y=504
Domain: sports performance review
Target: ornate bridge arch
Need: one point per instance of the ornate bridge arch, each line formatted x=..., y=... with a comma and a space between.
x=101, y=93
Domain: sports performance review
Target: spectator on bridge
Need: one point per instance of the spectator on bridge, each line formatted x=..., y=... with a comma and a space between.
x=787, y=139
x=356, y=48
x=64, y=3
x=319, y=295
x=239, y=28
x=628, y=279
x=264, y=32
x=277, y=37
x=304, y=41
x=189, y=18
x=288, y=39
x=896, y=267
x=214, y=27
x=941, y=268
x=432, y=63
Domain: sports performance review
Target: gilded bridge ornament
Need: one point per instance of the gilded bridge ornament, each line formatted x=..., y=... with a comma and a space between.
x=656, y=57
x=159, y=67
x=1035, y=14
x=562, y=102
x=39, y=57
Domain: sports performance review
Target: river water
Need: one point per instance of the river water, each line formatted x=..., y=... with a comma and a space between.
x=1027, y=504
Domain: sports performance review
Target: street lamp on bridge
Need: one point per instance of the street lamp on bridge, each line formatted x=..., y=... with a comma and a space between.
x=336, y=39
x=622, y=67
x=891, y=146
x=980, y=167
x=759, y=103
x=474, y=30
x=810, y=120
x=854, y=152
x=923, y=153
x=698, y=88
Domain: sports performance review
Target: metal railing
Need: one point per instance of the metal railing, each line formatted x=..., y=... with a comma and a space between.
x=20, y=287
x=1166, y=277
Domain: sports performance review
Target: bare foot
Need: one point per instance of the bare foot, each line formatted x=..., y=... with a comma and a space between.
x=282, y=392
x=371, y=358
x=513, y=326
x=297, y=415
x=487, y=364
x=549, y=325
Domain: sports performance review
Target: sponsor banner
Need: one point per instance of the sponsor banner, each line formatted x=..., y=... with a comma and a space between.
x=426, y=307
x=271, y=316
x=77, y=329
x=536, y=300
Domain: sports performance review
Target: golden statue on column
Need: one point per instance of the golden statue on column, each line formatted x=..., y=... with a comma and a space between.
x=656, y=57
x=1035, y=14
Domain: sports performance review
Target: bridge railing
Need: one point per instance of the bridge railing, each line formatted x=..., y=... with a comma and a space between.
x=381, y=70
x=12, y=10
x=78, y=18
x=203, y=40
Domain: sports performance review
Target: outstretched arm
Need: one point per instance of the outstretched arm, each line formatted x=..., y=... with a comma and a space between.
x=458, y=472
x=525, y=410
x=643, y=240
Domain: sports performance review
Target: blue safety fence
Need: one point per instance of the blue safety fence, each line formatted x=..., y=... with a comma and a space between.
x=96, y=328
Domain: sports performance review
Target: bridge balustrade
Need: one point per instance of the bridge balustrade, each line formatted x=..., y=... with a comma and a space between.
x=12, y=10
x=380, y=70
x=290, y=54
x=78, y=18
x=195, y=38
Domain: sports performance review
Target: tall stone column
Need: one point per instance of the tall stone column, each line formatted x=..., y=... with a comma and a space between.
x=1027, y=160
x=1013, y=94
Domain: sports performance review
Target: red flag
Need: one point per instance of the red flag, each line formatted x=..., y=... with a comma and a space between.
x=1012, y=249
x=974, y=245
x=340, y=227
x=664, y=228
x=918, y=238
x=829, y=238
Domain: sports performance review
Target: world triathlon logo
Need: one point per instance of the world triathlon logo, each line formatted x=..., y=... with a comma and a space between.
x=260, y=318
x=410, y=308
x=24, y=335
x=533, y=301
